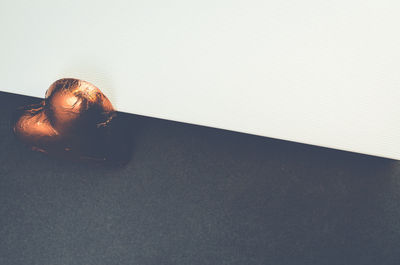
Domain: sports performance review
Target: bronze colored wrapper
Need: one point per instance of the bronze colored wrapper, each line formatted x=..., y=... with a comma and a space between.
x=75, y=120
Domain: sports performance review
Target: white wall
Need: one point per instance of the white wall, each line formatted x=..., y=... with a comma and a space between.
x=319, y=72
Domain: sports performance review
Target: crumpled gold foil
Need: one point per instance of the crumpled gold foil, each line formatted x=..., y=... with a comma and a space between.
x=73, y=120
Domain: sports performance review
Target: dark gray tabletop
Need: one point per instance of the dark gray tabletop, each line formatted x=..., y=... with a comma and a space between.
x=197, y=195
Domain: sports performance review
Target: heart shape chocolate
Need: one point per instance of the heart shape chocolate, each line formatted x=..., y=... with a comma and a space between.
x=73, y=120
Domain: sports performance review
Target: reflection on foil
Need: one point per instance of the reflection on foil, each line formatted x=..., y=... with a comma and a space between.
x=75, y=120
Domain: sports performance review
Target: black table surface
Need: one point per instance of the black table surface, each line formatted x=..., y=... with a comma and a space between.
x=196, y=195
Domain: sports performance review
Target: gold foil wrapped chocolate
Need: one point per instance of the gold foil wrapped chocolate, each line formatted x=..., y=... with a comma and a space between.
x=74, y=120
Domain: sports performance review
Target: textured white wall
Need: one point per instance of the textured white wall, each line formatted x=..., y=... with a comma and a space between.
x=319, y=72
